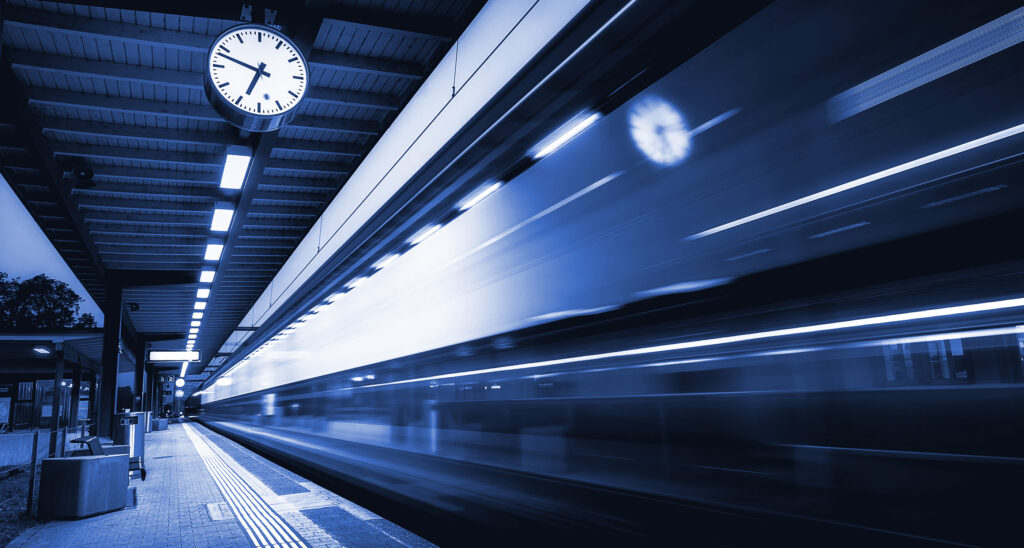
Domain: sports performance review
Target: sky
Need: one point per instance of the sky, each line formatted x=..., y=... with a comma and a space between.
x=26, y=251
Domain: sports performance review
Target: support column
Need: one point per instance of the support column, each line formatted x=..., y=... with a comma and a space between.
x=140, y=368
x=58, y=377
x=76, y=391
x=111, y=352
x=151, y=391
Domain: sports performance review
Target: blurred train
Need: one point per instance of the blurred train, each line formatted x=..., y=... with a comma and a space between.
x=774, y=298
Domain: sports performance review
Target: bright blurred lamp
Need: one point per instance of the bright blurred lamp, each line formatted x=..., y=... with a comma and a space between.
x=197, y=315
x=172, y=356
x=41, y=350
x=206, y=276
x=203, y=293
x=564, y=134
x=423, y=234
x=200, y=305
x=179, y=393
x=196, y=323
x=180, y=381
x=478, y=195
x=235, y=167
x=193, y=330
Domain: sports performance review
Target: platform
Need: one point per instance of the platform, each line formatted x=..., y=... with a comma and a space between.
x=204, y=490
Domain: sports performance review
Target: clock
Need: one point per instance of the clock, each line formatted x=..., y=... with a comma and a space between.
x=659, y=131
x=255, y=77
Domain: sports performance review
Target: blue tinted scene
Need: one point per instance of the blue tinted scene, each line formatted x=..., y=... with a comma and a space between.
x=500, y=273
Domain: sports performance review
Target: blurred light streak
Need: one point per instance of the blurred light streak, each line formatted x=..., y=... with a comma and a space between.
x=564, y=134
x=751, y=254
x=684, y=287
x=716, y=341
x=478, y=195
x=986, y=40
x=571, y=313
x=838, y=230
x=423, y=234
x=979, y=192
x=895, y=170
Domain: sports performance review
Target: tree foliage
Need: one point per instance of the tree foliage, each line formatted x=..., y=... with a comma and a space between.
x=39, y=302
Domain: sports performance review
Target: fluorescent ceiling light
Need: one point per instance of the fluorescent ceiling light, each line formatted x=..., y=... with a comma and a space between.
x=423, y=234
x=213, y=252
x=221, y=220
x=172, y=356
x=850, y=185
x=206, y=276
x=193, y=330
x=203, y=293
x=385, y=261
x=192, y=336
x=235, y=167
x=41, y=350
x=196, y=323
x=200, y=305
x=744, y=337
x=478, y=195
x=565, y=134
x=197, y=315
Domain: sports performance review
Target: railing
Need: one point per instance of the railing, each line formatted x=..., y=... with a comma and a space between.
x=25, y=449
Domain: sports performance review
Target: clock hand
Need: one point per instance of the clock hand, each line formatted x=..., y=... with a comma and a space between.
x=255, y=78
x=246, y=65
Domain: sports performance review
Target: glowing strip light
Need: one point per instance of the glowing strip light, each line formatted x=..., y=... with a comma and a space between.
x=962, y=51
x=565, y=134
x=200, y=305
x=184, y=367
x=213, y=252
x=423, y=234
x=478, y=195
x=206, y=276
x=235, y=168
x=203, y=293
x=385, y=261
x=925, y=160
x=745, y=337
x=221, y=219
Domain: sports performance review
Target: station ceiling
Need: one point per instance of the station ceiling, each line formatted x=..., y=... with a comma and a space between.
x=120, y=91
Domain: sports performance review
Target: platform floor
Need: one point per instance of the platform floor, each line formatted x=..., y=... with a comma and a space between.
x=204, y=490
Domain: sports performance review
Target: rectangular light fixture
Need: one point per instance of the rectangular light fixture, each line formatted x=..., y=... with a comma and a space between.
x=235, y=167
x=193, y=330
x=203, y=293
x=197, y=315
x=221, y=219
x=192, y=336
x=173, y=356
x=196, y=323
x=41, y=350
x=564, y=134
x=184, y=367
x=200, y=305
x=423, y=234
x=478, y=195
x=206, y=276
x=213, y=251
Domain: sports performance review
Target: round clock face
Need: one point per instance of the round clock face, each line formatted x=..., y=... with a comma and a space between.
x=255, y=77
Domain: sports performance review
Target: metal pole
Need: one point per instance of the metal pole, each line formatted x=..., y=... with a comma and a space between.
x=58, y=378
x=111, y=353
x=76, y=390
x=32, y=472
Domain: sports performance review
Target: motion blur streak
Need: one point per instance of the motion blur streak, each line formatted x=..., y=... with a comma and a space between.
x=802, y=330
x=940, y=155
x=1005, y=32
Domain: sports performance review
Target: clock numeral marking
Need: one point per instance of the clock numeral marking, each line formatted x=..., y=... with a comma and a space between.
x=279, y=107
x=259, y=36
x=240, y=41
x=258, y=106
x=222, y=85
x=225, y=49
x=297, y=77
x=292, y=93
x=293, y=59
x=218, y=66
x=239, y=100
x=278, y=46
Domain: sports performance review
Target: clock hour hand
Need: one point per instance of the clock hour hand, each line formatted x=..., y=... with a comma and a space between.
x=255, y=78
x=259, y=71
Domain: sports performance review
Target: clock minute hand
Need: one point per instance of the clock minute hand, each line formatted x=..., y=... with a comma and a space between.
x=246, y=65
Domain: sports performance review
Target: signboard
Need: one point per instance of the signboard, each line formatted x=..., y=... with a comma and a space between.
x=174, y=356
